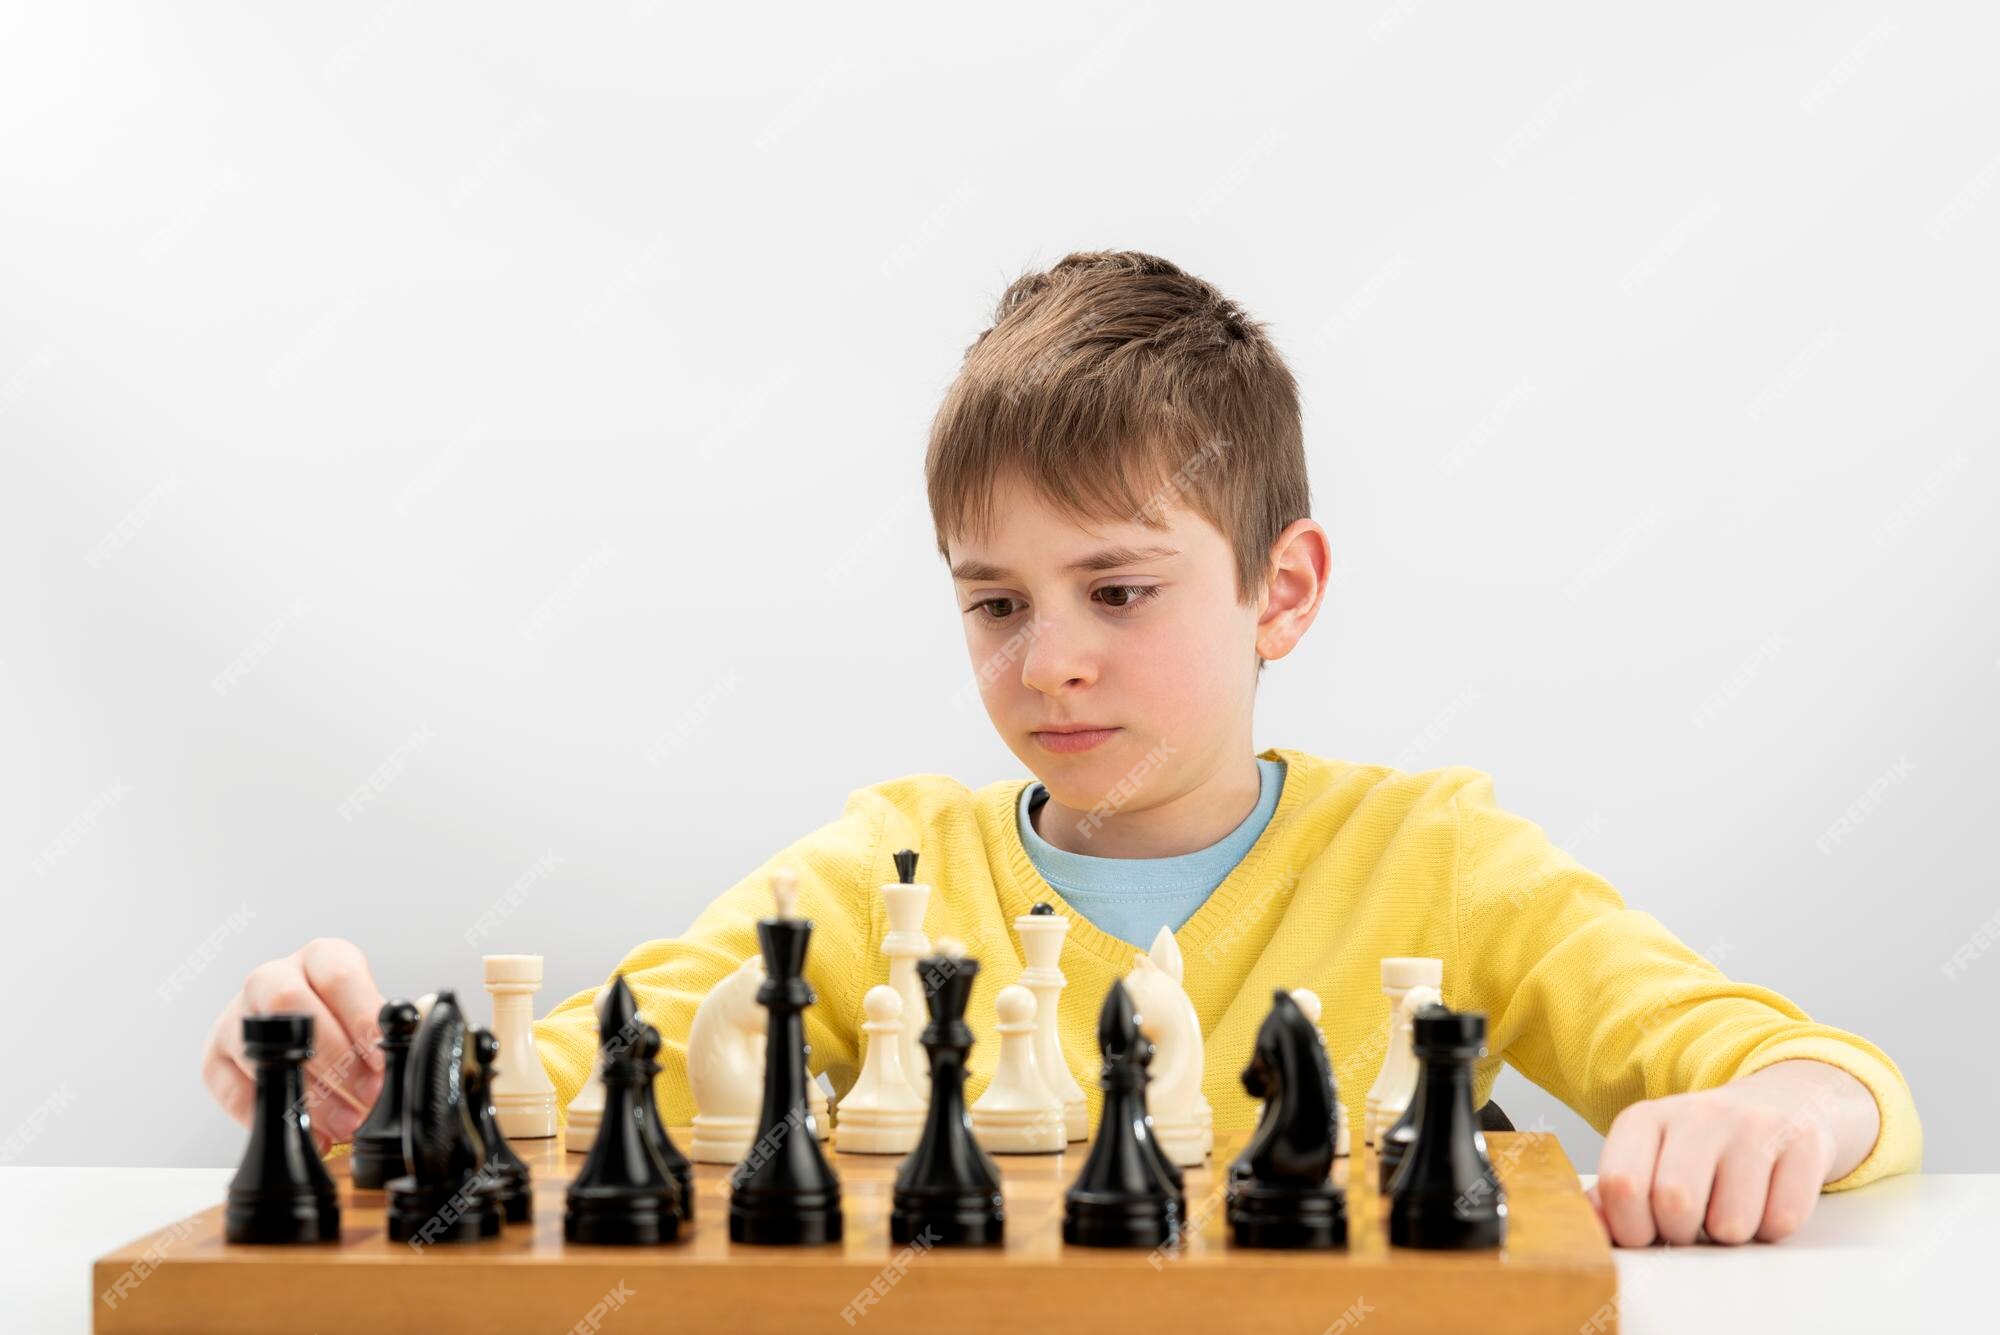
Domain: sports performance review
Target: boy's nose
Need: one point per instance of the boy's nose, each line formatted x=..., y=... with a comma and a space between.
x=1057, y=660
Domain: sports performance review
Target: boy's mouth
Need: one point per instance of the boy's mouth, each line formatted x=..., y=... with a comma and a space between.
x=1070, y=739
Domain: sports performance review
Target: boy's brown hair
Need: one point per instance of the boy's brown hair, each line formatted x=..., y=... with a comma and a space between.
x=1114, y=384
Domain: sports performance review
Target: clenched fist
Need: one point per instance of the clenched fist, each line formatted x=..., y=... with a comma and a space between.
x=329, y=980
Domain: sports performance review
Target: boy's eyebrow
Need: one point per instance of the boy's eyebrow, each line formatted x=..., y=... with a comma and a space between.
x=1110, y=558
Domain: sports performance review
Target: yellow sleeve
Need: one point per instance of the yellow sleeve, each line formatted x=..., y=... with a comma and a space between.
x=1602, y=1006
x=669, y=977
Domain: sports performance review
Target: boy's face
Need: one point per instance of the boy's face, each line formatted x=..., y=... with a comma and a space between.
x=1131, y=630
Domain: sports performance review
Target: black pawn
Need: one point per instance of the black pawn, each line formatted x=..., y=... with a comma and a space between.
x=281, y=1193
x=624, y=1196
x=1284, y=1195
x=1445, y=1196
x=439, y=1199
x=947, y=1188
x=1122, y=1198
x=784, y=1192
x=378, y=1142
x=678, y=1167
x=504, y=1173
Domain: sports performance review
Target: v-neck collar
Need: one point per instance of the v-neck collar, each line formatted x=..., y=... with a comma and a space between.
x=1024, y=885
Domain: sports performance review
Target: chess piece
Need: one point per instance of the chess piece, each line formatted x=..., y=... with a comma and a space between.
x=1123, y=1197
x=586, y=1110
x=1042, y=931
x=438, y=1200
x=281, y=1193
x=1018, y=1113
x=678, y=1167
x=905, y=944
x=378, y=1141
x=1396, y=1110
x=1390, y=1094
x=502, y=1171
x=625, y=1194
x=1445, y=1196
x=1182, y=1119
x=1285, y=1196
x=817, y=1105
x=882, y=1113
x=725, y=1057
x=525, y=1098
x=948, y=1190
x=784, y=1192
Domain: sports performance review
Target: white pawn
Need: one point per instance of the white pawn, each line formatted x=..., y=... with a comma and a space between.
x=1181, y=1116
x=726, y=1066
x=1018, y=1113
x=882, y=1113
x=522, y=1092
x=1042, y=942
x=1309, y=1006
x=586, y=1110
x=1397, y=1082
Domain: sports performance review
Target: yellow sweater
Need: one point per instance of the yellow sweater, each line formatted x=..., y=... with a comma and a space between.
x=1591, y=1000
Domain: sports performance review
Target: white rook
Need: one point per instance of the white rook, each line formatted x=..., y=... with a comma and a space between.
x=522, y=1094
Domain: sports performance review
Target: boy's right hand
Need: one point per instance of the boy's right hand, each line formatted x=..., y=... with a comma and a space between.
x=329, y=980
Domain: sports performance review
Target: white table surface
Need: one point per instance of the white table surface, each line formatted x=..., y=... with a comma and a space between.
x=1906, y=1254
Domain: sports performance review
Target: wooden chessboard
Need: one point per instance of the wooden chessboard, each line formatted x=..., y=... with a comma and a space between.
x=1556, y=1273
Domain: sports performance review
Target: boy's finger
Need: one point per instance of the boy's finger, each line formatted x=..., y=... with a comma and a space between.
x=1742, y=1185
x=1684, y=1177
x=1625, y=1176
x=1795, y=1185
x=338, y=974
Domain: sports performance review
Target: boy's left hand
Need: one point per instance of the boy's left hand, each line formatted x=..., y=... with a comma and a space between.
x=1746, y=1159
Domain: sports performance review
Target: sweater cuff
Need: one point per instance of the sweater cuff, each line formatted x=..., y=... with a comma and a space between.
x=1899, y=1142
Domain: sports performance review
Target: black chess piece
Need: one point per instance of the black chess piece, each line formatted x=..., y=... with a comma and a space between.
x=624, y=1195
x=1122, y=1198
x=1445, y=1196
x=281, y=1193
x=1286, y=1196
x=948, y=1189
x=378, y=1142
x=784, y=1192
x=678, y=1167
x=503, y=1172
x=439, y=1200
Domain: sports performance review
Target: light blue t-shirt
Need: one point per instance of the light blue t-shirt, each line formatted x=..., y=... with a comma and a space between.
x=1131, y=897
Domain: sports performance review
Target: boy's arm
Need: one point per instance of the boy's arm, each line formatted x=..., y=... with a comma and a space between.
x=669, y=977
x=1604, y=1007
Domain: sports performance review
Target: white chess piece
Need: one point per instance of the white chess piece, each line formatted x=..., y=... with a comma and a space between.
x=1309, y=1006
x=1181, y=1116
x=726, y=1066
x=586, y=1111
x=1397, y=1079
x=1018, y=1113
x=882, y=1113
x=522, y=1093
x=905, y=945
x=1042, y=942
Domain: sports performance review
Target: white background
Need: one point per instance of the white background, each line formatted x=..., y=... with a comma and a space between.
x=1636, y=345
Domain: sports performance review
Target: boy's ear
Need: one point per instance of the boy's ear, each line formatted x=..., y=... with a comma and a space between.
x=1296, y=586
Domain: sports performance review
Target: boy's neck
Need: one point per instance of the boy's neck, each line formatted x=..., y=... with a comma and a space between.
x=1188, y=823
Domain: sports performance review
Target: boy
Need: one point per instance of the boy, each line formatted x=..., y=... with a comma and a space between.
x=1118, y=485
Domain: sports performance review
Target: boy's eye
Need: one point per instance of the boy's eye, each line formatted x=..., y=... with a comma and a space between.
x=994, y=609
x=1128, y=595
